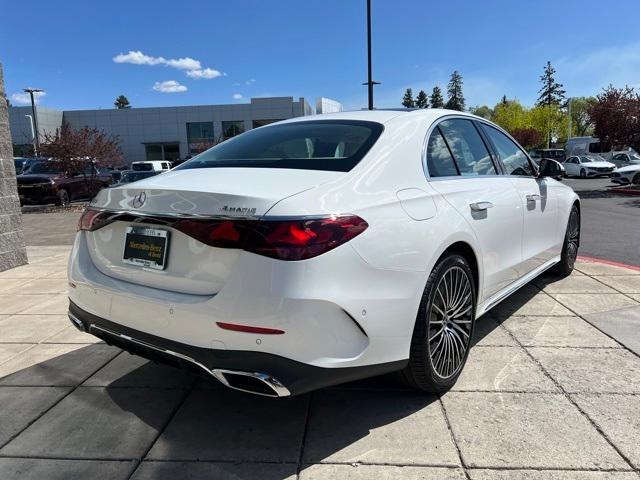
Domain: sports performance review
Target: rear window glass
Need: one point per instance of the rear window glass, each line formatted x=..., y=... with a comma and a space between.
x=334, y=145
x=142, y=167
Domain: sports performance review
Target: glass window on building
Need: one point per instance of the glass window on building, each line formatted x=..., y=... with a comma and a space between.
x=199, y=136
x=232, y=128
x=162, y=151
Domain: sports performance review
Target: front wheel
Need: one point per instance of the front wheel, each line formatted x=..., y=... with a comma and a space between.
x=63, y=197
x=444, y=327
x=570, y=246
x=583, y=173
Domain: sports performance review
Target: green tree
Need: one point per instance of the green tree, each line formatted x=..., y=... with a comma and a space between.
x=454, y=92
x=407, y=100
x=581, y=123
x=510, y=115
x=422, y=100
x=122, y=102
x=550, y=121
x=482, y=111
x=436, y=98
x=551, y=92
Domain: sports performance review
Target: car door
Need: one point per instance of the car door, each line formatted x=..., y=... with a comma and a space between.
x=571, y=166
x=539, y=199
x=463, y=171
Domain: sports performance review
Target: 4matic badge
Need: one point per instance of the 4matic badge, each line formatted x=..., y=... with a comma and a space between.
x=227, y=210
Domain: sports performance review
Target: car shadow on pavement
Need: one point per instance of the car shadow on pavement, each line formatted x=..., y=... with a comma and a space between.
x=99, y=402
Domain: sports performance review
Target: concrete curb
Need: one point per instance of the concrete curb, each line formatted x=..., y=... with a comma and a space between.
x=608, y=262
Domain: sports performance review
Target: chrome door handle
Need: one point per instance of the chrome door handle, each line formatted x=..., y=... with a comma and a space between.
x=533, y=197
x=480, y=206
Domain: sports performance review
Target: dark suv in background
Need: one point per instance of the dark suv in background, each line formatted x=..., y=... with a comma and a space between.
x=46, y=182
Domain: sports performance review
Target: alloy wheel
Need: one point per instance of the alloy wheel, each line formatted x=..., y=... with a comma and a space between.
x=573, y=237
x=450, y=321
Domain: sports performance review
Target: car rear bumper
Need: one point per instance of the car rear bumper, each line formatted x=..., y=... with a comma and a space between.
x=254, y=372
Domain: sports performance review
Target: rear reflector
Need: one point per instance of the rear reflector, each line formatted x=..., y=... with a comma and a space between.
x=291, y=239
x=247, y=329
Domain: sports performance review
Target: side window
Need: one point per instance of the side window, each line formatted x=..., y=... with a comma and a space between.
x=439, y=160
x=468, y=148
x=513, y=158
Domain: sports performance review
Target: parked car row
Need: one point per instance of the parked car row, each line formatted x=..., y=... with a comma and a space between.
x=42, y=181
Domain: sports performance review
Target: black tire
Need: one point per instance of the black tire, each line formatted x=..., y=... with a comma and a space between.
x=426, y=370
x=570, y=246
x=583, y=173
x=636, y=179
x=63, y=197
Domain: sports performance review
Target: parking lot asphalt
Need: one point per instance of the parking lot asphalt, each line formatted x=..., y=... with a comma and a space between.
x=610, y=221
x=545, y=395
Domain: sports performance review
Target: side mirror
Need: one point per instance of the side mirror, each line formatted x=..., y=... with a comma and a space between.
x=551, y=168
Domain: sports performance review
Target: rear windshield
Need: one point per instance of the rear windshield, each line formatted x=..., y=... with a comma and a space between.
x=142, y=167
x=334, y=145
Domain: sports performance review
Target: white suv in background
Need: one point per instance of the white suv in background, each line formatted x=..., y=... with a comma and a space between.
x=323, y=249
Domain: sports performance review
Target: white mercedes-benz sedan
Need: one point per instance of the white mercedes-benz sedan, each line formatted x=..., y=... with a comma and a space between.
x=323, y=249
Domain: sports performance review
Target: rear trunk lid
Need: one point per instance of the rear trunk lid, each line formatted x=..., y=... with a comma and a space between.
x=190, y=266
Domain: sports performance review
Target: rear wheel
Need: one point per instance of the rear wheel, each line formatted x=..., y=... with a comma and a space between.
x=444, y=327
x=583, y=173
x=63, y=197
x=570, y=246
x=636, y=179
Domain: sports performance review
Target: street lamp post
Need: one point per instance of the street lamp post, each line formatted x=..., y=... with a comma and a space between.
x=31, y=91
x=370, y=82
x=33, y=135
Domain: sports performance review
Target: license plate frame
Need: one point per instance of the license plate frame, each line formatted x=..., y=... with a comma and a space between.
x=146, y=240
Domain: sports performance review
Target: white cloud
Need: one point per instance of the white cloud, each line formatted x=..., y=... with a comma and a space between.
x=204, y=73
x=237, y=96
x=169, y=86
x=192, y=66
x=138, y=58
x=250, y=82
x=185, y=63
x=25, y=99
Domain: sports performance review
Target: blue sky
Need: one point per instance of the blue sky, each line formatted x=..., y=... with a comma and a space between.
x=214, y=52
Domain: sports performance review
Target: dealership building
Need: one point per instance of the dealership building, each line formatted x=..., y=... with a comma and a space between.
x=165, y=133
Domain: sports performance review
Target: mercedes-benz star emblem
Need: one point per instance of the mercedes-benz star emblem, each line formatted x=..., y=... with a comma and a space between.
x=139, y=200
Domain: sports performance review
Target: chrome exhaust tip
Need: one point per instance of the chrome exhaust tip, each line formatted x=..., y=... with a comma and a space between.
x=77, y=322
x=251, y=382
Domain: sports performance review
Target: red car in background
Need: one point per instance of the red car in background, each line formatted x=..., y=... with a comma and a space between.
x=46, y=182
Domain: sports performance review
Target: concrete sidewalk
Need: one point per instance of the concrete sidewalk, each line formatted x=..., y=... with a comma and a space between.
x=545, y=395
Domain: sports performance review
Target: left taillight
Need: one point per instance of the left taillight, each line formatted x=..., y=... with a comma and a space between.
x=88, y=219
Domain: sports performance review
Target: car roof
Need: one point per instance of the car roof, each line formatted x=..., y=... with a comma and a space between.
x=383, y=115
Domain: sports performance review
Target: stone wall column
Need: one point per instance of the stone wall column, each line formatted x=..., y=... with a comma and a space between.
x=12, y=247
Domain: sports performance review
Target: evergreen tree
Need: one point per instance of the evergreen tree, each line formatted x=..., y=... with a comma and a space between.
x=407, y=100
x=454, y=91
x=122, y=102
x=422, y=101
x=436, y=98
x=551, y=92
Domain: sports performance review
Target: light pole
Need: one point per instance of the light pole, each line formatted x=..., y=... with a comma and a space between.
x=31, y=91
x=33, y=135
x=370, y=83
